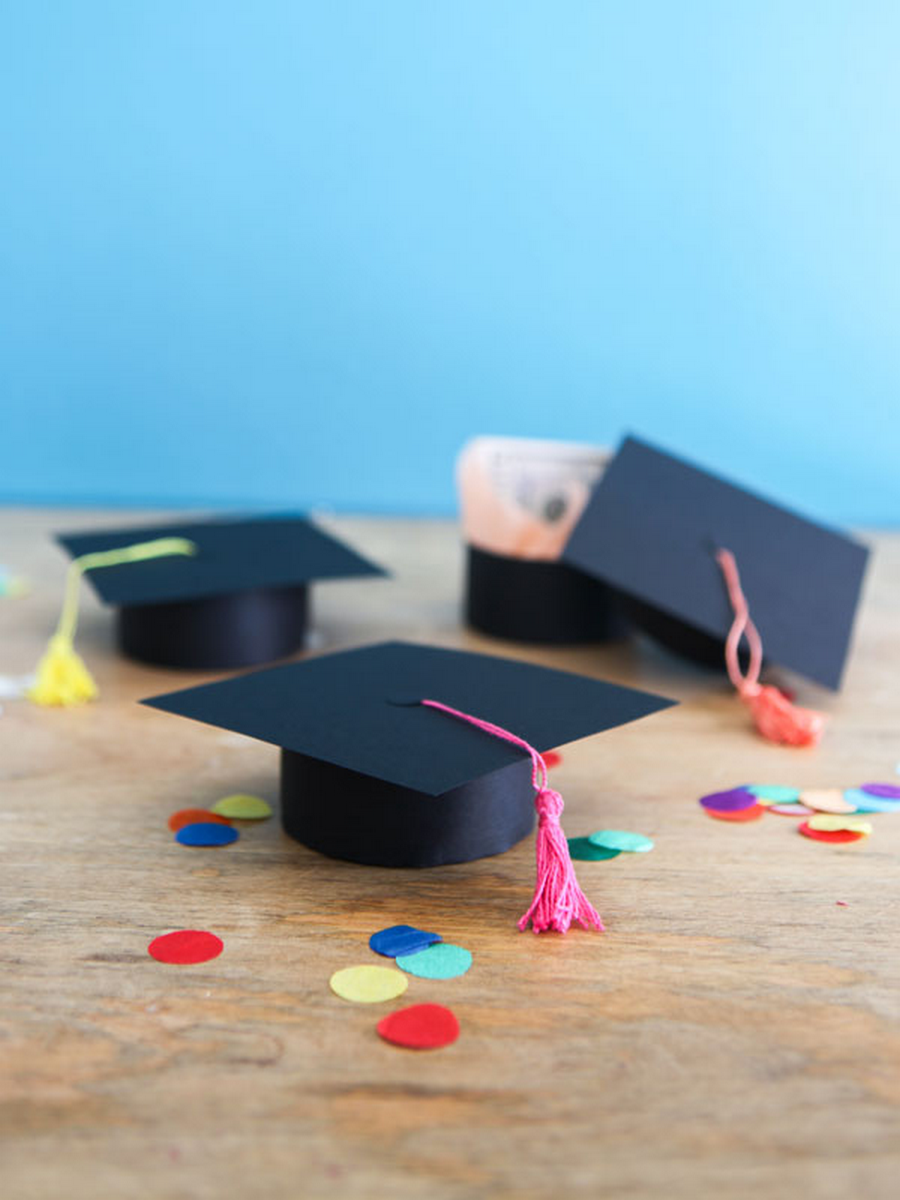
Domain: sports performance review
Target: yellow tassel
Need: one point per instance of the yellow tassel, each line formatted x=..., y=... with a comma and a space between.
x=62, y=677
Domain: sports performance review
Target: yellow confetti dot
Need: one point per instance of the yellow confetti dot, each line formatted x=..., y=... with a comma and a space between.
x=369, y=985
x=831, y=823
x=242, y=808
x=826, y=800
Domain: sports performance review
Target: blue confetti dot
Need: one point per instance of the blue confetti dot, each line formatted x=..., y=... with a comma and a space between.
x=205, y=833
x=870, y=804
x=402, y=939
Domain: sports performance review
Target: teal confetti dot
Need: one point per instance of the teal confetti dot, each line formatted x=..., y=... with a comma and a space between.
x=621, y=839
x=582, y=849
x=441, y=961
x=771, y=791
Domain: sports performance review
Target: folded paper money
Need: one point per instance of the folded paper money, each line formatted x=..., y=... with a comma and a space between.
x=522, y=497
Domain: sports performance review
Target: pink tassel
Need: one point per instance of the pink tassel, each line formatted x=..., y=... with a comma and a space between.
x=558, y=899
x=775, y=717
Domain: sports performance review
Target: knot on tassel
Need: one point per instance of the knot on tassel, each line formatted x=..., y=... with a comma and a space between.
x=777, y=719
x=62, y=679
x=549, y=805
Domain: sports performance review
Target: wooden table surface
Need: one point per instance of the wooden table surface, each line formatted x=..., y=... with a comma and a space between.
x=734, y=1033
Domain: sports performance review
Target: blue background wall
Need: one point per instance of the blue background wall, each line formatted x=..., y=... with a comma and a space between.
x=287, y=253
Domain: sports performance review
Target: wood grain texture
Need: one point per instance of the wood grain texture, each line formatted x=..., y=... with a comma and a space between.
x=735, y=1033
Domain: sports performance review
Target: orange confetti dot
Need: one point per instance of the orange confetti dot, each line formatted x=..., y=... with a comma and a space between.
x=194, y=816
x=753, y=813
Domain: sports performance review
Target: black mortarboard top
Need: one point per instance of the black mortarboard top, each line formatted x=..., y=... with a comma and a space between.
x=239, y=600
x=371, y=775
x=652, y=528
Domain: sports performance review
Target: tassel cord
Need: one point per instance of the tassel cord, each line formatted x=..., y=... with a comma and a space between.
x=62, y=678
x=775, y=717
x=742, y=627
x=138, y=552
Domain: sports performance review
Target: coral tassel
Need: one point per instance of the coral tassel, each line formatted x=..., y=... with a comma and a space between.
x=558, y=899
x=775, y=717
x=62, y=678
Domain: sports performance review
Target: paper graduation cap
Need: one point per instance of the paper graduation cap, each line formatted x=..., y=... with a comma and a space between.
x=652, y=529
x=239, y=599
x=371, y=775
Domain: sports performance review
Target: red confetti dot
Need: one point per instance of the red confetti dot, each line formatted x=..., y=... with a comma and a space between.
x=753, y=813
x=186, y=946
x=420, y=1027
x=552, y=758
x=193, y=816
x=830, y=835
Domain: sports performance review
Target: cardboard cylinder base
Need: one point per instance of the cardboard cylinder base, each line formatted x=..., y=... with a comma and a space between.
x=219, y=633
x=528, y=600
x=355, y=817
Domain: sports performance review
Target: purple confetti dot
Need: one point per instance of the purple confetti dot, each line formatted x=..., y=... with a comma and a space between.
x=732, y=801
x=890, y=791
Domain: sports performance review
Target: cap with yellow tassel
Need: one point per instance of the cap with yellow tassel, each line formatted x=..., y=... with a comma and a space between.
x=62, y=677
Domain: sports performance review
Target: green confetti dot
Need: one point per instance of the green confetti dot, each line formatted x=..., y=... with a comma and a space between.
x=240, y=807
x=582, y=849
x=621, y=839
x=441, y=961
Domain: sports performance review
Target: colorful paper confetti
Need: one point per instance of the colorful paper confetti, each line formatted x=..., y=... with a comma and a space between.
x=240, y=807
x=739, y=815
x=206, y=833
x=865, y=802
x=826, y=835
x=368, y=984
x=186, y=946
x=828, y=800
x=887, y=791
x=195, y=816
x=621, y=839
x=402, y=939
x=731, y=801
x=441, y=961
x=767, y=793
x=420, y=1027
x=826, y=814
x=831, y=822
x=582, y=849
